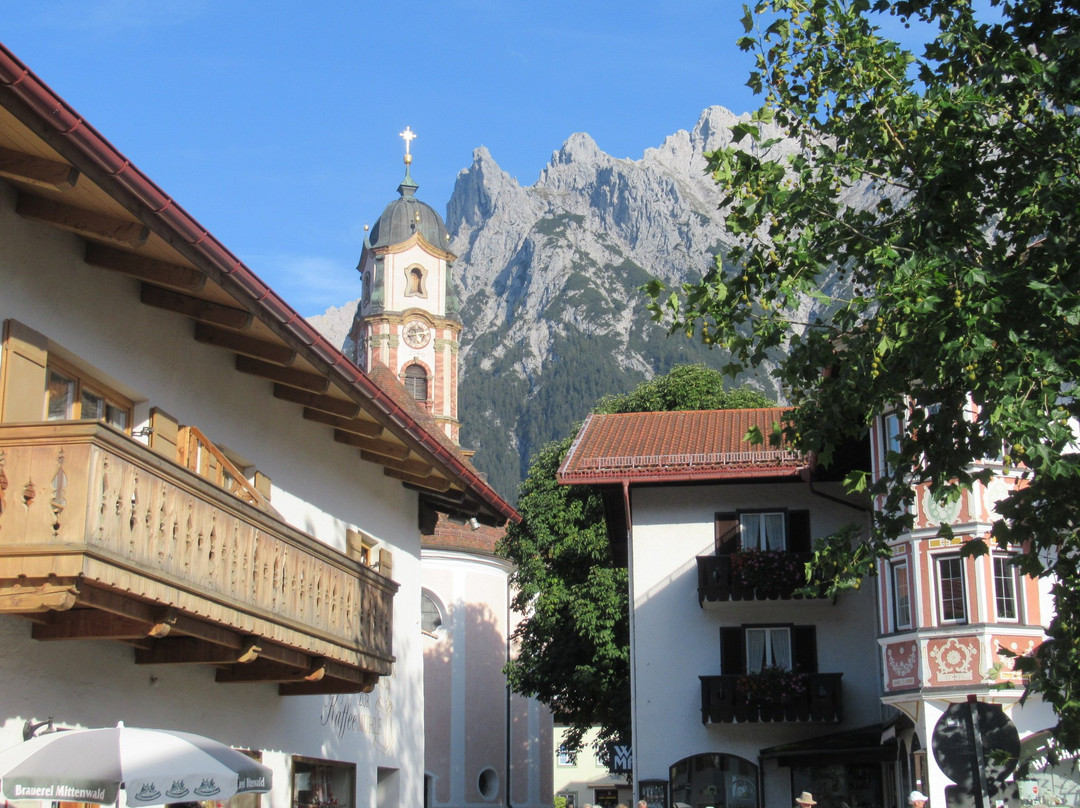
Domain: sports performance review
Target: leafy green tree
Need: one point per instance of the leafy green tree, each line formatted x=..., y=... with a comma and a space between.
x=574, y=645
x=931, y=210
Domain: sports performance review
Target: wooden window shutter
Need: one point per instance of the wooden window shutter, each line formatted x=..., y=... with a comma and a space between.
x=22, y=373
x=798, y=531
x=726, y=539
x=804, y=649
x=164, y=430
x=732, y=650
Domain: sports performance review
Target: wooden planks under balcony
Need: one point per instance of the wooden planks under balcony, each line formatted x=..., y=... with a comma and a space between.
x=101, y=538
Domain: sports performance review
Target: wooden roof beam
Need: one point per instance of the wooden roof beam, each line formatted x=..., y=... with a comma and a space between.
x=193, y=651
x=328, y=404
x=89, y=624
x=160, y=273
x=244, y=345
x=86, y=223
x=357, y=426
x=259, y=671
x=300, y=379
x=431, y=483
x=196, y=308
x=39, y=171
x=375, y=446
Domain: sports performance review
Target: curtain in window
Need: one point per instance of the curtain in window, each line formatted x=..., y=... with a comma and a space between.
x=751, y=531
x=755, y=649
x=773, y=523
x=780, y=643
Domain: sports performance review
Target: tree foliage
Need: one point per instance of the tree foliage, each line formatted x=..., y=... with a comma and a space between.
x=931, y=212
x=574, y=645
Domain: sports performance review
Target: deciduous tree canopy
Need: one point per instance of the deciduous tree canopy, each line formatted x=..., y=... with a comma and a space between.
x=574, y=644
x=955, y=288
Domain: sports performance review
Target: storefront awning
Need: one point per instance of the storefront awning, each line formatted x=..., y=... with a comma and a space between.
x=863, y=745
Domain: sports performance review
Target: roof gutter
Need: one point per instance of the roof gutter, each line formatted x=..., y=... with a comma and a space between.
x=50, y=108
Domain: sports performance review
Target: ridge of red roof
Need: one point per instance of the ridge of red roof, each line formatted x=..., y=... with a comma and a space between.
x=679, y=446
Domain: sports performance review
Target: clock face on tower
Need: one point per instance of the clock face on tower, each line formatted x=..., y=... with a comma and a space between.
x=416, y=334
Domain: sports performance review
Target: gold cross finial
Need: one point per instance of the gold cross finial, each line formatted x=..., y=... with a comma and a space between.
x=408, y=136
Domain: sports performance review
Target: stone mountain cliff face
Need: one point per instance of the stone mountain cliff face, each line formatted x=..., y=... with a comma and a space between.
x=548, y=276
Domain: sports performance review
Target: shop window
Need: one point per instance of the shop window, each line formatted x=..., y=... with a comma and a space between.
x=837, y=784
x=901, y=595
x=1005, y=605
x=606, y=797
x=714, y=779
x=762, y=530
x=569, y=798
x=322, y=783
x=950, y=582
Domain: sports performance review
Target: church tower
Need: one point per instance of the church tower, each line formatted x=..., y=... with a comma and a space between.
x=408, y=316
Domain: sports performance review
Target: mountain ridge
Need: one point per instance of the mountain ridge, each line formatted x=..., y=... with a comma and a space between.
x=548, y=279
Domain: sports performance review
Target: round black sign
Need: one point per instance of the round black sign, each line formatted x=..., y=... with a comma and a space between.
x=954, y=746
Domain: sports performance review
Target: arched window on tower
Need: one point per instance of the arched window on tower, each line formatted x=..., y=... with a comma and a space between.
x=416, y=382
x=415, y=277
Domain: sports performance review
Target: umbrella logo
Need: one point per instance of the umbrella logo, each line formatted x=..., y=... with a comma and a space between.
x=207, y=788
x=147, y=792
x=177, y=789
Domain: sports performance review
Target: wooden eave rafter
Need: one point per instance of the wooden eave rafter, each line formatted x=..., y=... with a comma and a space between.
x=162, y=636
x=86, y=223
x=291, y=377
x=244, y=345
x=40, y=172
x=159, y=273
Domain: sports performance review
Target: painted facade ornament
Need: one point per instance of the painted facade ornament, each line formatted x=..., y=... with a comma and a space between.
x=902, y=661
x=939, y=513
x=954, y=659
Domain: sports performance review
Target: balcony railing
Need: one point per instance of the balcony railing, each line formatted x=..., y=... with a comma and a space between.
x=721, y=703
x=717, y=581
x=84, y=508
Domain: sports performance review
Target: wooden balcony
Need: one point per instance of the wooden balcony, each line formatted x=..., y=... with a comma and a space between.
x=717, y=583
x=721, y=704
x=102, y=538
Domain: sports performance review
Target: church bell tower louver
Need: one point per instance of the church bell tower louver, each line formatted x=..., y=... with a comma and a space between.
x=407, y=318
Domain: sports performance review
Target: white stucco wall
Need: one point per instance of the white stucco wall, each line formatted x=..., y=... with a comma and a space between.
x=675, y=640
x=320, y=487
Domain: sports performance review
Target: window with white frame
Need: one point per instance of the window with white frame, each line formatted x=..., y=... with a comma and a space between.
x=951, y=604
x=892, y=424
x=763, y=531
x=566, y=756
x=768, y=646
x=901, y=594
x=1005, y=604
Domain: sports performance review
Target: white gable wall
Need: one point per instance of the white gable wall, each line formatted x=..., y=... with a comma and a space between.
x=320, y=487
x=675, y=640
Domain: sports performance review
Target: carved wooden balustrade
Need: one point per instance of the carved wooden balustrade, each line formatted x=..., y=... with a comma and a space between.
x=717, y=581
x=722, y=704
x=85, y=509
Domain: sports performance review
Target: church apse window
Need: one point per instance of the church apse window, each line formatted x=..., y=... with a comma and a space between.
x=416, y=281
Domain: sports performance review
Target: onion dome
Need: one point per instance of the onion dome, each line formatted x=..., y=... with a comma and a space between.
x=408, y=215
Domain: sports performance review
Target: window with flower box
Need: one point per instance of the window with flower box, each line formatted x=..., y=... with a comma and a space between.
x=771, y=530
x=748, y=649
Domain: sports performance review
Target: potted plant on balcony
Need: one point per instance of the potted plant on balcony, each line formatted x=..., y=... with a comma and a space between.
x=768, y=573
x=772, y=692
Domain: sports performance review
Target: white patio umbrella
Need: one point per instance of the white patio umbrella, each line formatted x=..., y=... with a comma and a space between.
x=153, y=766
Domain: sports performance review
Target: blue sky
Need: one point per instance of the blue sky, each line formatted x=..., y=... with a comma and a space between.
x=276, y=124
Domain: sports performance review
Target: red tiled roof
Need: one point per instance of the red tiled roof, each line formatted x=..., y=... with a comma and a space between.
x=669, y=446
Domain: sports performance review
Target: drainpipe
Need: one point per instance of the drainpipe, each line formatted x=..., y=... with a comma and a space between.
x=633, y=645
